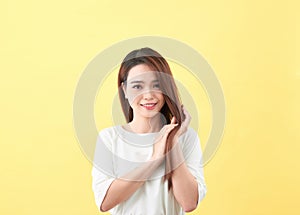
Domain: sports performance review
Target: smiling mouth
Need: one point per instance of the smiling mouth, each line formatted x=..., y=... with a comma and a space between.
x=149, y=106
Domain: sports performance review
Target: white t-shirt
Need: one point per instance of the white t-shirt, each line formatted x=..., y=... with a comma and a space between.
x=119, y=151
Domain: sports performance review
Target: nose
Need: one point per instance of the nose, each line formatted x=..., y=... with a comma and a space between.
x=148, y=94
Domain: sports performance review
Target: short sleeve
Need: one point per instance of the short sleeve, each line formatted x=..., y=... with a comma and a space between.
x=193, y=158
x=102, y=171
x=100, y=184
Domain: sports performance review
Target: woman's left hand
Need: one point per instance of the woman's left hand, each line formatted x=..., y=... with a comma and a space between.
x=176, y=155
x=185, y=124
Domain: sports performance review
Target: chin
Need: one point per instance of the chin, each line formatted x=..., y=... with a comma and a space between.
x=150, y=114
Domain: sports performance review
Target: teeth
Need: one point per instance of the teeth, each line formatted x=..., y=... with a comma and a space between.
x=148, y=105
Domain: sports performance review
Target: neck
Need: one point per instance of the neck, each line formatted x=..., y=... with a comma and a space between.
x=146, y=125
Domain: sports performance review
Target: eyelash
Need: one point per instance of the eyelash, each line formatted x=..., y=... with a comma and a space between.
x=156, y=85
x=138, y=86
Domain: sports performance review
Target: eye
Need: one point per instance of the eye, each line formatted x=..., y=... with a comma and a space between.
x=137, y=86
x=156, y=86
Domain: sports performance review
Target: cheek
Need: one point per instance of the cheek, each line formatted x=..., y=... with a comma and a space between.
x=161, y=97
x=133, y=99
x=133, y=94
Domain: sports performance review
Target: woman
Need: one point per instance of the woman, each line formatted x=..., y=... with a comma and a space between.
x=152, y=164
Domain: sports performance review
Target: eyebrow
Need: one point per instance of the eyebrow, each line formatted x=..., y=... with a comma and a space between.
x=134, y=82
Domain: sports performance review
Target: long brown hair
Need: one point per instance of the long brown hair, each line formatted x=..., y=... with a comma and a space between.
x=172, y=106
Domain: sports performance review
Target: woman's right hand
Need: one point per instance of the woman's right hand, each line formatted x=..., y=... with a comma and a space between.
x=161, y=139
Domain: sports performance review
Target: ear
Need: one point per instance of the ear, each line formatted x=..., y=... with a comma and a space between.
x=124, y=90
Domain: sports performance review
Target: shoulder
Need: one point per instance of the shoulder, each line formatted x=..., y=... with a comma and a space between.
x=191, y=131
x=107, y=132
x=191, y=145
x=190, y=134
x=106, y=141
x=189, y=139
x=107, y=136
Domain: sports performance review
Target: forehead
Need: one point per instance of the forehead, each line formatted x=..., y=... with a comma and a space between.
x=141, y=72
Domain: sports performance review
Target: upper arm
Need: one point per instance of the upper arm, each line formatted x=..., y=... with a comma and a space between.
x=102, y=171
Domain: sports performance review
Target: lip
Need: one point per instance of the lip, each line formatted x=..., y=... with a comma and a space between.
x=149, y=106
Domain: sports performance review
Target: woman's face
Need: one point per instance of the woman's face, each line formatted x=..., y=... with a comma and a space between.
x=143, y=91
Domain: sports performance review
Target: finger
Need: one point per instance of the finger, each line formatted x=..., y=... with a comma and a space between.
x=169, y=128
x=166, y=128
x=170, y=125
x=186, y=113
x=187, y=119
x=166, y=132
x=173, y=120
x=184, y=110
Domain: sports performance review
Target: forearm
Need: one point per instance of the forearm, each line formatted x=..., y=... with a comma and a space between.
x=185, y=187
x=122, y=188
x=119, y=191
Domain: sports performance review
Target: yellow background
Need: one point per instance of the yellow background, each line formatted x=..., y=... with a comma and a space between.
x=253, y=47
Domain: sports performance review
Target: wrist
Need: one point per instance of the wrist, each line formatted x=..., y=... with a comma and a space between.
x=156, y=159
